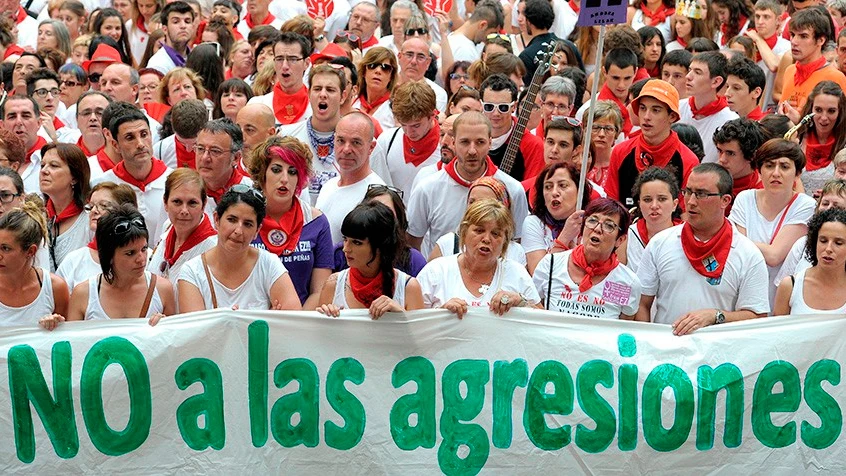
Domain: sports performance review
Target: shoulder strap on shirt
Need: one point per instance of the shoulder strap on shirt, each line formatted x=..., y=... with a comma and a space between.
x=391, y=143
x=149, y=298
x=549, y=283
x=455, y=243
x=209, y=279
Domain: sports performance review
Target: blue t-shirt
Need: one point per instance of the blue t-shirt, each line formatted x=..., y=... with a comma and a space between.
x=314, y=251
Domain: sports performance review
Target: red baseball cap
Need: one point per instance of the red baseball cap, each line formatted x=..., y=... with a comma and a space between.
x=329, y=53
x=103, y=54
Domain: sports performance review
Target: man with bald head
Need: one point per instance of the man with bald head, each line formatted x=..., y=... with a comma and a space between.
x=353, y=145
x=414, y=59
x=120, y=82
x=439, y=201
x=257, y=123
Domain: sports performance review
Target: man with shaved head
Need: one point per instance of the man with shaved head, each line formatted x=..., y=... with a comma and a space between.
x=257, y=124
x=414, y=59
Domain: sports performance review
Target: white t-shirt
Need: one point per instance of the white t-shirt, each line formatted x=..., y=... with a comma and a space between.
x=463, y=48
x=447, y=244
x=536, y=235
x=336, y=202
x=438, y=203
x=28, y=315
x=797, y=299
x=383, y=114
x=323, y=170
x=794, y=262
x=390, y=163
x=706, y=126
x=253, y=293
x=150, y=201
x=28, y=33
x=32, y=174
x=634, y=248
x=161, y=62
x=277, y=22
x=781, y=47
x=165, y=150
x=78, y=266
x=95, y=311
x=267, y=100
x=673, y=46
x=638, y=22
x=565, y=18
x=678, y=288
x=441, y=98
x=159, y=266
x=618, y=293
x=745, y=213
x=137, y=41
x=75, y=237
x=440, y=281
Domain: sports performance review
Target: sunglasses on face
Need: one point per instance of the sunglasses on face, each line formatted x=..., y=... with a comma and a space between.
x=416, y=31
x=94, y=77
x=465, y=77
x=385, y=67
x=504, y=107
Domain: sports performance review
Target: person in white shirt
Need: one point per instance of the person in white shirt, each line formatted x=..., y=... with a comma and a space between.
x=703, y=272
x=180, y=29
x=414, y=60
x=487, y=18
x=121, y=82
x=258, y=13
x=401, y=153
x=589, y=281
x=21, y=115
x=377, y=72
x=187, y=118
x=769, y=43
x=353, y=146
x=89, y=133
x=438, y=201
x=401, y=11
x=289, y=97
x=218, y=150
x=27, y=34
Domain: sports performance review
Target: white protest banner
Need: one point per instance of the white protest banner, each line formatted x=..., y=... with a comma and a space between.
x=225, y=392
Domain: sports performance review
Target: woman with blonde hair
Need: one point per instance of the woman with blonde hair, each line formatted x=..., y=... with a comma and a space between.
x=241, y=62
x=264, y=79
x=180, y=84
x=377, y=76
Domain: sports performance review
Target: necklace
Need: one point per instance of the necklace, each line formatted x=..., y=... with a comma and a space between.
x=483, y=286
x=324, y=146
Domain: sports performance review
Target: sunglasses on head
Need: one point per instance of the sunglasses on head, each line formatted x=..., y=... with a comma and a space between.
x=384, y=188
x=348, y=34
x=500, y=36
x=416, y=31
x=242, y=189
x=570, y=120
x=124, y=226
x=503, y=107
x=385, y=66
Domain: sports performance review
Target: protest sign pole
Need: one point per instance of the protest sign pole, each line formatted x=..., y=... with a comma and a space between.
x=589, y=125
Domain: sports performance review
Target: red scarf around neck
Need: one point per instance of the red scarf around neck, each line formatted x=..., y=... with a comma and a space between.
x=708, y=258
x=93, y=244
x=158, y=169
x=647, y=155
x=57, y=123
x=771, y=42
x=369, y=108
x=267, y=20
x=373, y=41
x=747, y=182
x=756, y=114
x=184, y=157
x=682, y=41
x=141, y=24
x=592, y=269
x=657, y=17
x=709, y=109
x=643, y=232
x=203, y=231
x=818, y=155
x=450, y=170
x=156, y=110
x=288, y=108
x=365, y=289
x=234, y=179
x=575, y=6
x=81, y=144
x=21, y=16
x=104, y=160
x=41, y=142
x=804, y=71
x=606, y=94
x=281, y=237
x=417, y=151
x=69, y=212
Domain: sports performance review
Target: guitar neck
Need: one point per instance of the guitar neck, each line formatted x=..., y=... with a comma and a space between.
x=522, y=120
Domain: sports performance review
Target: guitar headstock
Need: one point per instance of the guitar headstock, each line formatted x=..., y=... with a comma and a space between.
x=544, y=55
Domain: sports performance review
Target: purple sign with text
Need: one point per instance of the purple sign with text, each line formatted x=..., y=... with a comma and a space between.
x=602, y=12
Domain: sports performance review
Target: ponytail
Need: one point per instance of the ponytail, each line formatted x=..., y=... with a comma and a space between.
x=29, y=223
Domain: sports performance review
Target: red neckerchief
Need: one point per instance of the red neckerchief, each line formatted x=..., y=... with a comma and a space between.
x=682, y=42
x=237, y=34
x=709, y=109
x=724, y=29
x=592, y=269
x=234, y=179
x=655, y=72
x=643, y=232
x=70, y=211
x=13, y=50
x=93, y=244
x=575, y=7
x=450, y=170
x=658, y=17
x=281, y=237
x=373, y=41
x=606, y=94
x=641, y=73
x=771, y=42
x=156, y=110
x=367, y=107
x=81, y=144
x=21, y=16
x=708, y=258
x=416, y=152
x=41, y=142
x=104, y=160
x=818, y=155
x=365, y=289
x=647, y=155
x=756, y=114
x=804, y=71
x=184, y=157
x=57, y=123
x=748, y=182
x=539, y=131
x=288, y=108
x=267, y=20
x=203, y=231
x=141, y=24
x=157, y=170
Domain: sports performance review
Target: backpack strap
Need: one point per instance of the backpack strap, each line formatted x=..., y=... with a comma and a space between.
x=149, y=298
x=209, y=278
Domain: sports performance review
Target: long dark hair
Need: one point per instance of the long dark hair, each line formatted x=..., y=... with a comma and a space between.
x=403, y=257
x=375, y=222
x=839, y=130
x=204, y=61
x=123, y=43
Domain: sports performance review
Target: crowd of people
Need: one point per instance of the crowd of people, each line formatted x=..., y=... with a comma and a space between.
x=163, y=157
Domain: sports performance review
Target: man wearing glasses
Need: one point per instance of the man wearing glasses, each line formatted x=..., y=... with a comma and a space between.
x=121, y=82
x=487, y=18
x=218, y=150
x=657, y=108
x=414, y=60
x=364, y=19
x=43, y=86
x=703, y=272
x=499, y=101
x=89, y=117
x=289, y=97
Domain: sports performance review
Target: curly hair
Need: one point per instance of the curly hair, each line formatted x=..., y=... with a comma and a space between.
x=290, y=150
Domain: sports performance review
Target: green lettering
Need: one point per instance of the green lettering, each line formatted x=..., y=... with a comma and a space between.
x=208, y=404
x=475, y=374
x=506, y=377
x=257, y=343
x=710, y=381
x=823, y=404
x=539, y=403
x=345, y=403
x=627, y=395
x=27, y=385
x=421, y=403
x=116, y=350
x=304, y=402
x=765, y=402
x=595, y=407
x=656, y=436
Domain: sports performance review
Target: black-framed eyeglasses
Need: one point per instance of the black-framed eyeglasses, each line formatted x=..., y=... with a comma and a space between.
x=553, y=107
x=464, y=76
x=126, y=225
x=102, y=207
x=416, y=31
x=7, y=197
x=699, y=194
x=247, y=189
x=386, y=67
x=94, y=77
x=42, y=92
x=604, y=129
x=378, y=187
x=591, y=223
x=503, y=107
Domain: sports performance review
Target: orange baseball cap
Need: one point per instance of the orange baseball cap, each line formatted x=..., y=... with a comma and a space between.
x=103, y=54
x=660, y=90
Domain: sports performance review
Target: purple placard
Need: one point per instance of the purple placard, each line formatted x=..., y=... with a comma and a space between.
x=602, y=12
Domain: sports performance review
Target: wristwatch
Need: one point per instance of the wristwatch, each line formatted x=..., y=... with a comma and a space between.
x=319, y=38
x=719, y=317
